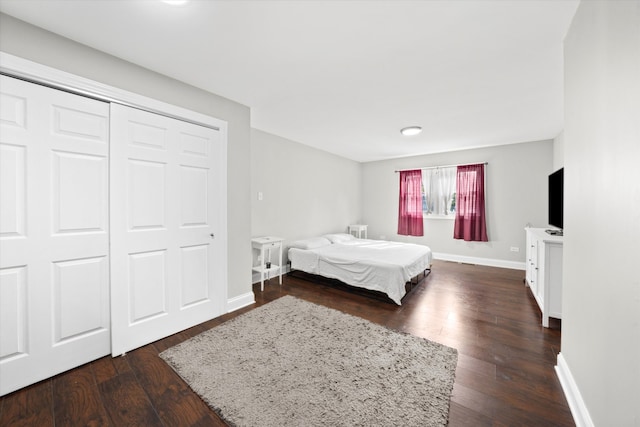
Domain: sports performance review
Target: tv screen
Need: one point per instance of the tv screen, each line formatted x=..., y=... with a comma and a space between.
x=556, y=198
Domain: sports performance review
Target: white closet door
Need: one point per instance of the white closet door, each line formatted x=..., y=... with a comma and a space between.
x=167, y=264
x=54, y=237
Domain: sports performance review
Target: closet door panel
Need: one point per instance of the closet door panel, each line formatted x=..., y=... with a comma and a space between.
x=194, y=274
x=80, y=298
x=147, y=285
x=13, y=316
x=164, y=217
x=79, y=205
x=12, y=191
x=193, y=196
x=146, y=195
x=54, y=236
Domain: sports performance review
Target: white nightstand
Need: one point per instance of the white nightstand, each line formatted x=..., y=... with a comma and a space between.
x=266, y=245
x=357, y=230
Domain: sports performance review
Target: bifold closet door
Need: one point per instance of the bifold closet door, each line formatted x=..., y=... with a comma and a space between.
x=167, y=273
x=54, y=235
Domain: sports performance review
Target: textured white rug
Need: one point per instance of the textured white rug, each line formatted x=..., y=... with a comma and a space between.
x=294, y=363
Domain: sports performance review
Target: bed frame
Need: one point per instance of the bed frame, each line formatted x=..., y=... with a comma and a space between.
x=315, y=278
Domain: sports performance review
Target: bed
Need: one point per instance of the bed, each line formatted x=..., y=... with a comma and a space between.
x=377, y=265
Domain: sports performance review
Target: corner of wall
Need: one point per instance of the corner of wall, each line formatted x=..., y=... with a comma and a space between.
x=558, y=151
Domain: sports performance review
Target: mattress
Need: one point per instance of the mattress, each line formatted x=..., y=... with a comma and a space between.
x=377, y=265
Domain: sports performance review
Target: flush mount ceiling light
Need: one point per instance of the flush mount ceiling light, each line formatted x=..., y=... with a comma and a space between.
x=175, y=2
x=411, y=130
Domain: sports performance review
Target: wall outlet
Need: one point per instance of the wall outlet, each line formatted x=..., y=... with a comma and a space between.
x=515, y=249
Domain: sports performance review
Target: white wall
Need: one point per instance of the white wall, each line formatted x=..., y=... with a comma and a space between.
x=516, y=195
x=601, y=285
x=24, y=40
x=306, y=192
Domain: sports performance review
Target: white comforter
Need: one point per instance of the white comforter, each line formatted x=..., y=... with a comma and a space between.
x=372, y=264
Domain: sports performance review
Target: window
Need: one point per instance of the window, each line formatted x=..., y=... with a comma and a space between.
x=439, y=192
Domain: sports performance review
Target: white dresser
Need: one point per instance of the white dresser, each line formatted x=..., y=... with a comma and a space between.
x=544, y=272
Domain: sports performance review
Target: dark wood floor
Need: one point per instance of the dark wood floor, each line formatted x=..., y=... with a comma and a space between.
x=505, y=374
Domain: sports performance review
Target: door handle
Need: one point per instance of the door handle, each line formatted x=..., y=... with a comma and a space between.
x=213, y=236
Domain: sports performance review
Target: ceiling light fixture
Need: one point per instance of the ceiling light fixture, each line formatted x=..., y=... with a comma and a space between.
x=411, y=130
x=175, y=2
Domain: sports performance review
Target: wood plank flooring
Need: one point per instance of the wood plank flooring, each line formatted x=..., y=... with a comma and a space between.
x=505, y=374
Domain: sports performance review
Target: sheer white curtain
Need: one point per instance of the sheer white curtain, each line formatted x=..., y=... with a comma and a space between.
x=439, y=186
x=427, y=191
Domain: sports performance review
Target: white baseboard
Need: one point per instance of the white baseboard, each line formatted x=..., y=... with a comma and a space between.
x=240, y=301
x=572, y=393
x=514, y=265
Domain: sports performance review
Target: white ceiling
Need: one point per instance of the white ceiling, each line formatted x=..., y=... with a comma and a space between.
x=345, y=76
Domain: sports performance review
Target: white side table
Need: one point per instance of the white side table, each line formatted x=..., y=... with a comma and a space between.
x=266, y=245
x=357, y=230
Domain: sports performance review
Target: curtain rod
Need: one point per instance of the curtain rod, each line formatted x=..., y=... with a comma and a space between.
x=443, y=166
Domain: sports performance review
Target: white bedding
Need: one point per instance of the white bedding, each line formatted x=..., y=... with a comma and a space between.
x=377, y=265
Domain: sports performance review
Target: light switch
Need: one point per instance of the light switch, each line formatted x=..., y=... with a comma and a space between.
x=260, y=195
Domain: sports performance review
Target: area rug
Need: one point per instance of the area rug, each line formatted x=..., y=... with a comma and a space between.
x=295, y=363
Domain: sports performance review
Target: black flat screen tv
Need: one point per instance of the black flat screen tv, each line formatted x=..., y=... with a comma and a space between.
x=556, y=199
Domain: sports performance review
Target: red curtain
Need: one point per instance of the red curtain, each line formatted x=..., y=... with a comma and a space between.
x=410, y=221
x=470, y=223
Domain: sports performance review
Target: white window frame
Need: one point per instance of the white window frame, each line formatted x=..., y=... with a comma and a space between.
x=445, y=182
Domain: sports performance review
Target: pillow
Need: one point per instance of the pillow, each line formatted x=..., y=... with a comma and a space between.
x=339, y=237
x=312, y=243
